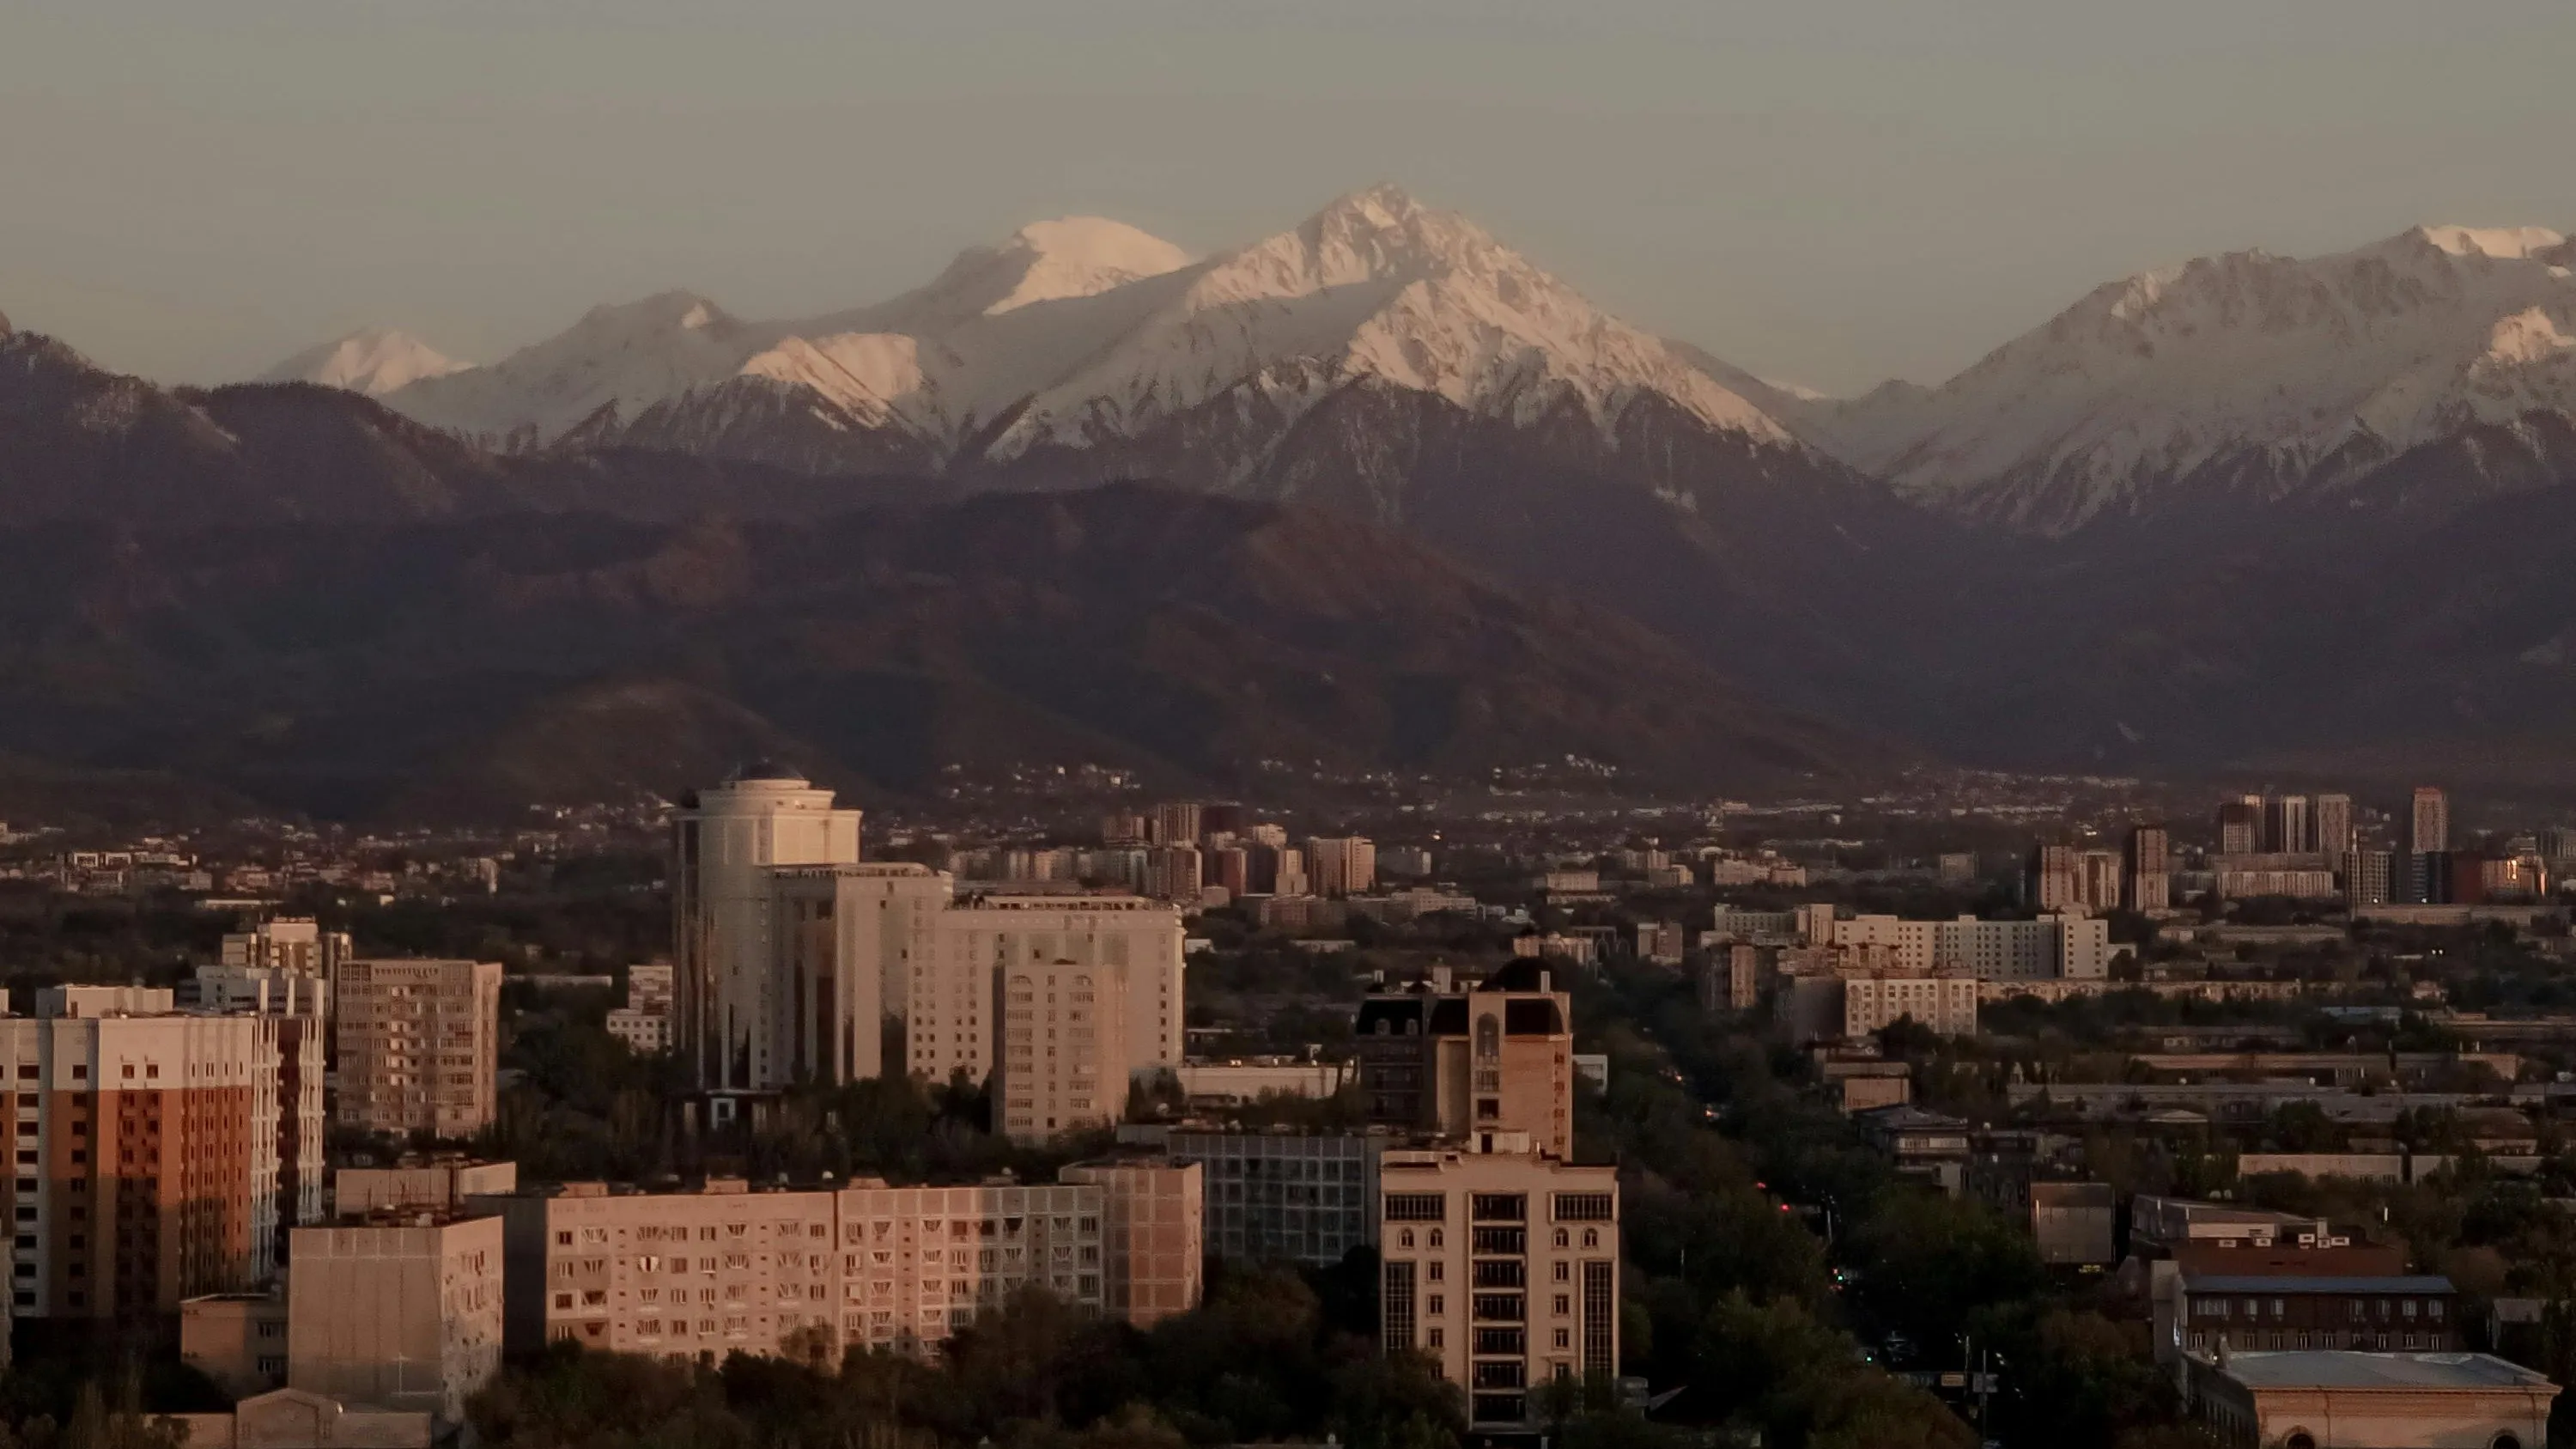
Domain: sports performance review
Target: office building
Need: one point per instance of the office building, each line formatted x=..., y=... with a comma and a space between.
x=2149, y=868
x=838, y=939
x=1455, y=1056
x=1341, y=865
x=145, y=1144
x=2335, y=837
x=1152, y=1243
x=419, y=1046
x=403, y=1312
x=1502, y=1266
x=731, y=1019
x=1298, y=1197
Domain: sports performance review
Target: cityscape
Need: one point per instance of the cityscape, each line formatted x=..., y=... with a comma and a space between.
x=1165, y=724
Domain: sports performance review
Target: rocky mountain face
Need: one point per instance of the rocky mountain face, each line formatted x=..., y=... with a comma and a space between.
x=2418, y=373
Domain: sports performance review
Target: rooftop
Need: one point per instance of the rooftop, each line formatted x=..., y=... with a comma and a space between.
x=2343, y=1369
x=2285, y=1284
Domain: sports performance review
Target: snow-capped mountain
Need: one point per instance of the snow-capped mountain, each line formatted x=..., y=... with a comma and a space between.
x=2248, y=377
x=1089, y=346
x=372, y=360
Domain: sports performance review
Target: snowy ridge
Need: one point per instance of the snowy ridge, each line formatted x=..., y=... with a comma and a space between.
x=2270, y=374
x=1082, y=332
x=372, y=361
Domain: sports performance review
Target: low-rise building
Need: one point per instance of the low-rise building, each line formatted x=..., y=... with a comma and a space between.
x=2343, y=1400
x=236, y=1339
x=438, y=1183
x=295, y=1419
x=1929, y=1145
x=403, y=1311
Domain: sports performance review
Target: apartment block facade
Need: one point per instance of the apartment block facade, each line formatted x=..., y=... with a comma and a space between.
x=726, y=1269
x=419, y=1045
x=1153, y=1235
x=144, y=1153
x=401, y=1313
x=1946, y=1004
x=1503, y=1268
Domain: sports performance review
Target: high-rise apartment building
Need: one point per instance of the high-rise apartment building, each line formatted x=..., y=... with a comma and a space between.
x=420, y=1045
x=1175, y=873
x=2428, y=822
x=2369, y=878
x=1177, y=822
x=1457, y=1056
x=401, y=1312
x=145, y=1146
x=2287, y=829
x=1127, y=948
x=1065, y=1060
x=2099, y=876
x=733, y=1022
x=301, y=1003
x=2240, y=826
x=721, y=1270
x=1341, y=865
x=2149, y=867
x=288, y=943
x=1152, y=1235
x=2335, y=837
x=1502, y=1265
x=2052, y=883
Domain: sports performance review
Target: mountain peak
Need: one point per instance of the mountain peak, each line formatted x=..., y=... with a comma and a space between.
x=1074, y=256
x=678, y=309
x=371, y=361
x=2504, y=243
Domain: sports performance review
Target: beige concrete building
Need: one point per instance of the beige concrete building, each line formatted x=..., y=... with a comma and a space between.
x=726, y=1269
x=839, y=937
x=1503, y=1267
x=2334, y=1399
x=144, y=1148
x=1065, y=1057
x=438, y=1184
x=732, y=1019
x=289, y=943
x=294, y=1419
x=236, y=1339
x=420, y=1046
x=1454, y=1056
x=400, y=1312
x=1341, y=865
x=1153, y=1239
x=644, y=1022
x=1946, y=1004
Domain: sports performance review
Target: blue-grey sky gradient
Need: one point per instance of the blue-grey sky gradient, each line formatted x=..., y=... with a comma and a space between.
x=1826, y=191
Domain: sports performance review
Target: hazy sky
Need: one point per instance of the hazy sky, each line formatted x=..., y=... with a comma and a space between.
x=1828, y=191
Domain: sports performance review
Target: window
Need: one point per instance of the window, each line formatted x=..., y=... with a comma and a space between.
x=1416, y=1207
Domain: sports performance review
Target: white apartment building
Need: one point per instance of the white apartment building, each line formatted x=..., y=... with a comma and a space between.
x=420, y=1046
x=731, y=1018
x=1065, y=1057
x=726, y=1269
x=1503, y=1267
x=403, y=1313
